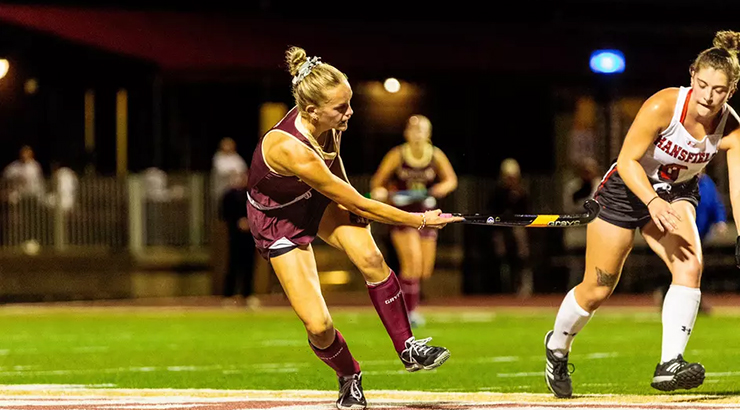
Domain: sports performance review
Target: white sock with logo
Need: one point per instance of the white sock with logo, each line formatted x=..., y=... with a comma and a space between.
x=680, y=306
x=570, y=320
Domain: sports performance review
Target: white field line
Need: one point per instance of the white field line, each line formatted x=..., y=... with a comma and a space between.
x=21, y=370
x=295, y=367
x=520, y=374
x=260, y=367
x=72, y=395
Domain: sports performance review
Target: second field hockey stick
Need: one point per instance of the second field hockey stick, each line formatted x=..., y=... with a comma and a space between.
x=407, y=197
x=535, y=221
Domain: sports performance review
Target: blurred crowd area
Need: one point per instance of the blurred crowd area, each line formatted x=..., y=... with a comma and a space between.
x=153, y=213
x=169, y=188
x=152, y=208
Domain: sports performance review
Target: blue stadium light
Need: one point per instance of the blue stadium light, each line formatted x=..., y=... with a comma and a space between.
x=607, y=61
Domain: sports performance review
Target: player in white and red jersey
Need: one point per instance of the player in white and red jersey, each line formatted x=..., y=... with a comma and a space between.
x=653, y=187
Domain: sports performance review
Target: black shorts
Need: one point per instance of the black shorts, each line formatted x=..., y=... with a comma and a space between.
x=620, y=207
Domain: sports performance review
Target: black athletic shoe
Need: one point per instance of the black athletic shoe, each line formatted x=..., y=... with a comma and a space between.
x=351, y=395
x=417, y=355
x=557, y=375
x=677, y=374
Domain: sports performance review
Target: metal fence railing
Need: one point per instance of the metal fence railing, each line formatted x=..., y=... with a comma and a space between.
x=95, y=217
x=153, y=209
x=170, y=211
x=141, y=211
x=85, y=213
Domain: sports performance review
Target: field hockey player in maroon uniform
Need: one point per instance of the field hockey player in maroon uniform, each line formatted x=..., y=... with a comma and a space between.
x=413, y=176
x=298, y=190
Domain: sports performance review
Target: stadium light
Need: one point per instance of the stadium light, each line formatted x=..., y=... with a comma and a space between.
x=607, y=62
x=31, y=86
x=4, y=67
x=392, y=85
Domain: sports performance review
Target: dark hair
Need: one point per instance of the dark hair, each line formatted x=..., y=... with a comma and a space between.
x=722, y=56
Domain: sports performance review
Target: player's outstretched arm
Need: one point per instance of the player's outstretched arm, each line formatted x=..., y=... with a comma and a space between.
x=296, y=159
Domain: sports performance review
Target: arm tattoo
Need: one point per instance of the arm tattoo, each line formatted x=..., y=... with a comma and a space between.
x=604, y=278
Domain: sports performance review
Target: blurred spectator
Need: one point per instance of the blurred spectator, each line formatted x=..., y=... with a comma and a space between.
x=582, y=186
x=226, y=162
x=23, y=183
x=65, y=185
x=239, y=273
x=711, y=217
x=155, y=185
x=511, y=245
x=24, y=177
x=165, y=204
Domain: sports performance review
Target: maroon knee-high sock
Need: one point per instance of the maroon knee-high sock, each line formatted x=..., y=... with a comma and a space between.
x=388, y=301
x=410, y=288
x=338, y=356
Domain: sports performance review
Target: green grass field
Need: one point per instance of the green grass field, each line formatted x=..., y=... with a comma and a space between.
x=497, y=350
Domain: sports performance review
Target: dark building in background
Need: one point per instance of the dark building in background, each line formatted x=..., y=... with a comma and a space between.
x=43, y=99
x=491, y=85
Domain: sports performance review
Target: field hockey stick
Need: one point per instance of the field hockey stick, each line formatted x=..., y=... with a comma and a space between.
x=535, y=221
x=408, y=197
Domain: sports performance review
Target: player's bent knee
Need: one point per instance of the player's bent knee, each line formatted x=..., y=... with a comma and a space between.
x=594, y=296
x=688, y=273
x=411, y=271
x=370, y=259
x=320, y=329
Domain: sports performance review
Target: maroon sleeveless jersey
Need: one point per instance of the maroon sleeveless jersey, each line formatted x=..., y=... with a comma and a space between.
x=283, y=211
x=414, y=174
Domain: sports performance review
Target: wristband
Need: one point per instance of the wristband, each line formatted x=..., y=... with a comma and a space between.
x=654, y=198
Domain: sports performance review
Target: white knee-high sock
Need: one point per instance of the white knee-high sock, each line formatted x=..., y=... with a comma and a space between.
x=680, y=307
x=570, y=320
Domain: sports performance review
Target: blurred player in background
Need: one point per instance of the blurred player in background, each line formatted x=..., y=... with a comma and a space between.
x=412, y=177
x=298, y=190
x=653, y=186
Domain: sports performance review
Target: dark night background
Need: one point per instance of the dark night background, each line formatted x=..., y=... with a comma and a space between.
x=490, y=75
x=497, y=80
